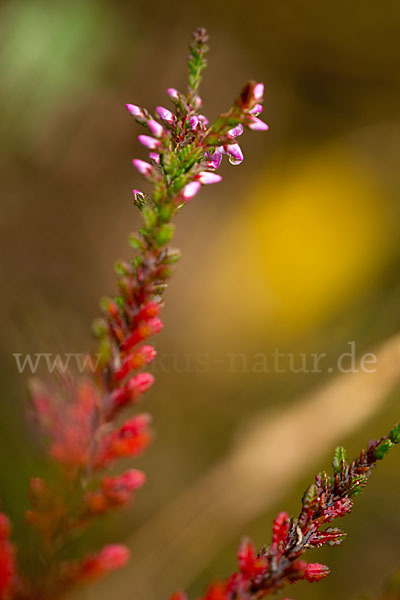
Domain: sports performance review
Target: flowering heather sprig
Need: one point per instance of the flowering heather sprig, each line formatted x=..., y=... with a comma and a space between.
x=79, y=415
x=331, y=496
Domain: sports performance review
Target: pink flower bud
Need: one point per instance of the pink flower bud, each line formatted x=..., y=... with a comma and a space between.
x=143, y=167
x=148, y=141
x=256, y=110
x=134, y=110
x=110, y=558
x=235, y=153
x=156, y=128
x=138, y=195
x=280, y=529
x=142, y=382
x=154, y=156
x=258, y=91
x=190, y=190
x=238, y=130
x=205, y=177
x=257, y=125
x=119, y=488
x=316, y=572
x=173, y=94
x=165, y=114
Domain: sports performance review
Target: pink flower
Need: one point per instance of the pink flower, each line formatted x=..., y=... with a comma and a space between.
x=205, y=177
x=235, y=154
x=165, y=114
x=194, y=122
x=238, y=130
x=156, y=128
x=190, y=190
x=143, y=167
x=214, y=160
x=257, y=125
x=135, y=110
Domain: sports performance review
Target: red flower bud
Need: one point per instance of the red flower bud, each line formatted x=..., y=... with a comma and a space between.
x=315, y=572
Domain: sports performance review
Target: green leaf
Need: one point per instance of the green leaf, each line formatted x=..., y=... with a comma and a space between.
x=310, y=495
x=394, y=435
x=135, y=242
x=357, y=485
x=383, y=448
x=339, y=459
x=164, y=234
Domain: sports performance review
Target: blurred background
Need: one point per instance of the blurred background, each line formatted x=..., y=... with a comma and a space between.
x=296, y=251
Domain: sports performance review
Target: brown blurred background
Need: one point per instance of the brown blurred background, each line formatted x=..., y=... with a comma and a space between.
x=296, y=250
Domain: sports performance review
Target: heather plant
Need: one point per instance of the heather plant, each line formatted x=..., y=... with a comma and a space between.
x=87, y=421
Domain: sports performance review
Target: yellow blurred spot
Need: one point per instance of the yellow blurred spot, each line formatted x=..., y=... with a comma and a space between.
x=306, y=242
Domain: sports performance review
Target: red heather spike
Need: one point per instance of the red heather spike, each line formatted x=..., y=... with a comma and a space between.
x=280, y=529
x=178, y=596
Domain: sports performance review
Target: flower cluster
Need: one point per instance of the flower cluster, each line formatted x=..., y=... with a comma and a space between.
x=85, y=418
x=331, y=496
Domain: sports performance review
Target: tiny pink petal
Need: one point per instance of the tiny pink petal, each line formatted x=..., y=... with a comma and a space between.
x=136, y=111
x=205, y=177
x=148, y=141
x=165, y=114
x=137, y=193
x=236, y=131
x=190, y=190
x=235, y=151
x=156, y=128
x=258, y=91
x=194, y=122
x=142, y=166
x=257, y=125
x=154, y=156
x=256, y=110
